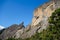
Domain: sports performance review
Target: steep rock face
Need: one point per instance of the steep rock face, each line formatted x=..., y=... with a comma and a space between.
x=10, y=32
x=39, y=22
x=41, y=15
x=43, y=12
x=24, y=32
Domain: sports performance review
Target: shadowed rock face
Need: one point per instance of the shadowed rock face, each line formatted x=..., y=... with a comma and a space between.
x=39, y=22
x=10, y=31
x=1, y=31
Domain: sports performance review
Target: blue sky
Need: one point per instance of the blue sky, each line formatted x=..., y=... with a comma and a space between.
x=16, y=11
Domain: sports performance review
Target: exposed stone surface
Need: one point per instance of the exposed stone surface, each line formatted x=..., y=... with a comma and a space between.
x=45, y=11
x=10, y=32
x=39, y=22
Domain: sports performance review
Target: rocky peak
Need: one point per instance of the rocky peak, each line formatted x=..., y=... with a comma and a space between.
x=39, y=22
x=21, y=25
x=10, y=31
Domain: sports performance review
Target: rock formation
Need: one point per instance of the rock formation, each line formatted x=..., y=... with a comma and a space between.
x=45, y=11
x=10, y=31
x=39, y=22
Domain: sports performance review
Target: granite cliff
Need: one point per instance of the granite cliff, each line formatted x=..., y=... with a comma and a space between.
x=39, y=22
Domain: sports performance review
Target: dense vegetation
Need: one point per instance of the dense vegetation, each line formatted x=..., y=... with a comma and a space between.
x=52, y=32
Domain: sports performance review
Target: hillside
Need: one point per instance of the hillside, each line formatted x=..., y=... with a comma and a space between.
x=51, y=33
x=45, y=25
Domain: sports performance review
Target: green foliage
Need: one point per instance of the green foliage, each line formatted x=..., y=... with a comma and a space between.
x=52, y=32
x=11, y=39
x=14, y=39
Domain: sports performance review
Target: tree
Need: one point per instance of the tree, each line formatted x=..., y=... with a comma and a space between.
x=53, y=31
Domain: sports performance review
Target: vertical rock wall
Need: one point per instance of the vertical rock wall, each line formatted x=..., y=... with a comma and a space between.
x=43, y=12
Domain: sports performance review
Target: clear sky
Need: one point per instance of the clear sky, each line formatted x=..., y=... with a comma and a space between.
x=16, y=11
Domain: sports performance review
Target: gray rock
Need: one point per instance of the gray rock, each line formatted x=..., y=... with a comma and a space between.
x=10, y=31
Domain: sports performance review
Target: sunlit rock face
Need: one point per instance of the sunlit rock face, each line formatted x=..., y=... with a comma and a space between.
x=44, y=12
x=57, y=2
x=11, y=31
x=40, y=17
x=39, y=22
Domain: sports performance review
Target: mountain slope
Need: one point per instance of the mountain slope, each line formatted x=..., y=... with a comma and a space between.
x=10, y=31
x=51, y=33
